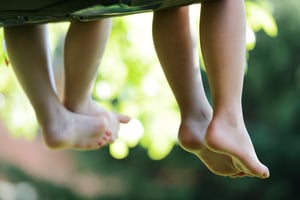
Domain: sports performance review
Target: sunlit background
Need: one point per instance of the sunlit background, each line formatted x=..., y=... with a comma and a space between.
x=145, y=161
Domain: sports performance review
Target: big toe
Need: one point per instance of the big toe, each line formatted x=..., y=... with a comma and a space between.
x=260, y=171
x=252, y=169
x=265, y=173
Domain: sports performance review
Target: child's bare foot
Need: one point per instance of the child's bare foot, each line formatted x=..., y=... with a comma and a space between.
x=90, y=108
x=70, y=130
x=191, y=137
x=229, y=136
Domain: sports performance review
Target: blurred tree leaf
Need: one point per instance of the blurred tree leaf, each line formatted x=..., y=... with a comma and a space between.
x=260, y=17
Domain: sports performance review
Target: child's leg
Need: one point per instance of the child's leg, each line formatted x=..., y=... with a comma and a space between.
x=28, y=51
x=84, y=46
x=222, y=31
x=178, y=55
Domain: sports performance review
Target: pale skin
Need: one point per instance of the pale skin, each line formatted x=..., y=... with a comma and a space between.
x=217, y=136
x=80, y=71
x=64, y=127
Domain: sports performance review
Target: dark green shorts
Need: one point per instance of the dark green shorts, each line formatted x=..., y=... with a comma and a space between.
x=175, y=3
x=19, y=12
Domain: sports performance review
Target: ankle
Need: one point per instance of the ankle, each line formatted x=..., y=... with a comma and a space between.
x=76, y=106
x=187, y=139
x=54, y=135
x=197, y=114
x=223, y=123
x=193, y=128
x=232, y=115
x=50, y=121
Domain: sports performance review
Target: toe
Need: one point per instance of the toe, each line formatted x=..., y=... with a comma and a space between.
x=123, y=118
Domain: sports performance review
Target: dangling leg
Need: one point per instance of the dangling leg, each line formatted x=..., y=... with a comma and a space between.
x=222, y=31
x=84, y=46
x=178, y=54
x=28, y=52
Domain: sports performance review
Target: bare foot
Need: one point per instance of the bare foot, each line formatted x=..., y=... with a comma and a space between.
x=231, y=138
x=71, y=130
x=90, y=108
x=191, y=138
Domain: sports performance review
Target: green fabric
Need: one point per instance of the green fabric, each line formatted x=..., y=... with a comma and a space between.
x=19, y=12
